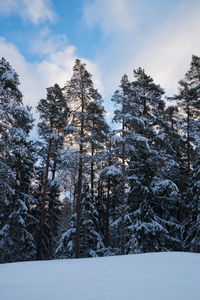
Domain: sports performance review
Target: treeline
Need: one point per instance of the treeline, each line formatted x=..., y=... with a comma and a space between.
x=85, y=189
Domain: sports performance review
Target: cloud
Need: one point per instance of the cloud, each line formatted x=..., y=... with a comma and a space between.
x=55, y=66
x=111, y=16
x=167, y=54
x=30, y=87
x=46, y=42
x=35, y=11
x=37, y=76
x=156, y=35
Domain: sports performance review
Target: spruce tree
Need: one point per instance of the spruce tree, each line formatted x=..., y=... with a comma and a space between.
x=91, y=239
x=150, y=162
x=17, y=170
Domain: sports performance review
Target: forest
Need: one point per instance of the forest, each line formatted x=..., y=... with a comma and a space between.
x=85, y=188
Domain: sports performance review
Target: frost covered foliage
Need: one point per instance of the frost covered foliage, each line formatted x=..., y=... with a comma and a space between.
x=66, y=245
x=145, y=230
x=90, y=238
x=192, y=222
x=151, y=167
x=16, y=164
x=53, y=211
x=91, y=242
x=52, y=129
x=133, y=189
x=109, y=201
x=89, y=132
x=9, y=91
x=144, y=197
x=188, y=104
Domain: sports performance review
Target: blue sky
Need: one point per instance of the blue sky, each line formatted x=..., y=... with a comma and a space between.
x=42, y=38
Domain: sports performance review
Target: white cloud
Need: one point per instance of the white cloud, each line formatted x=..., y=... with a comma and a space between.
x=55, y=67
x=136, y=36
x=37, y=76
x=167, y=55
x=30, y=86
x=111, y=15
x=46, y=42
x=33, y=10
x=128, y=42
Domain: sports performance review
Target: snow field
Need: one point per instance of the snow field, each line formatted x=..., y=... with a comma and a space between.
x=152, y=276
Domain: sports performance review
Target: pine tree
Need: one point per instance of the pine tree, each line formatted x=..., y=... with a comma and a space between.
x=98, y=131
x=103, y=198
x=189, y=105
x=189, y=100
x=122, y=98
x=54, y=115
x=86, y=112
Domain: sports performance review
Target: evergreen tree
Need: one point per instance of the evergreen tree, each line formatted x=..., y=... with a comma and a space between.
x=53, y=213
x=189, y=100
x=86, y=112
x=192, y=220
x=111, y=196
x=105, y=184
x=150, y=164
x=122, y=98
x=98, y=131
x=17, y=163
x=66, y=244
x=91, y=242
x=91, y=239
x=189, y=106
x=52, y=128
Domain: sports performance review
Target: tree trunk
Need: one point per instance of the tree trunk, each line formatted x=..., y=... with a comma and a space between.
x=123, y=190
x=78, y=205
x=145, y=107
x=79, y=187
x=107, y=229
x=188, y=138
x=92, y=173
x=107, y=238
x=54, y=169
x=172, y=121
x=38, y=256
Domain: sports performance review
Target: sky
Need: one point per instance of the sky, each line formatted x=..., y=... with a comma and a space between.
x=42, y=38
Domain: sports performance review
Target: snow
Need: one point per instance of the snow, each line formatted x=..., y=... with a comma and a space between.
x=161, y=185
x=152, y=276
x=9, y=75
x=111, y=170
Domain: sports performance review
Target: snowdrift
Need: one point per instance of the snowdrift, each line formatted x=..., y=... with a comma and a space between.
x=153, y=276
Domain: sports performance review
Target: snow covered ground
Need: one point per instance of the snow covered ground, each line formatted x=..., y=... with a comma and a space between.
x=153, y=276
